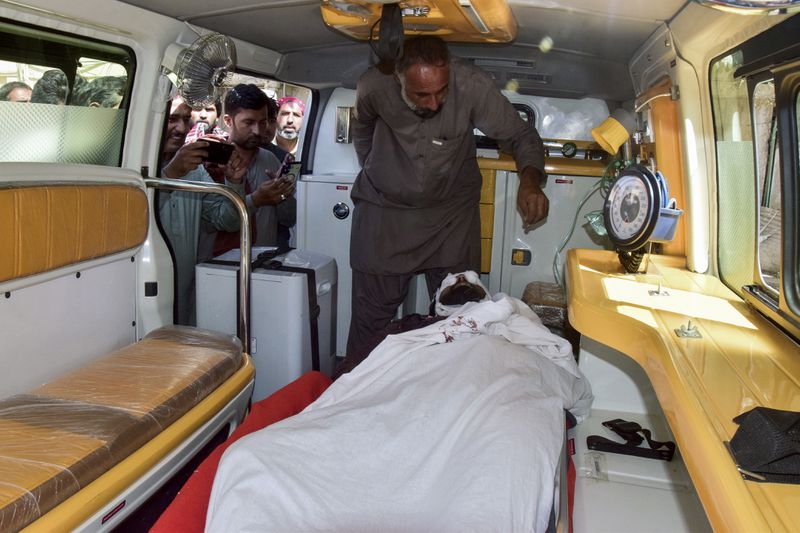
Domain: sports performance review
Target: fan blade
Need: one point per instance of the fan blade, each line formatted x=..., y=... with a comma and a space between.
x=204, y=68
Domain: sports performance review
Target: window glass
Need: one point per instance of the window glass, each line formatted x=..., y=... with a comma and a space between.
x=769, y=184
x=290, y=125
x=200, y=227
x=62, y=98
x=735, y=173
x=794, y=281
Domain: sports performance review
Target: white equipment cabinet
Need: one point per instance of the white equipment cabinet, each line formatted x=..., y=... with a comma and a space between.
x=324, y=217
x=280, y=334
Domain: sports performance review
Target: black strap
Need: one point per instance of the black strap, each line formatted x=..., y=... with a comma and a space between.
x=766, y=445
x=390, y=38
x=313, y=307
x=632, y=433
x=266, y=260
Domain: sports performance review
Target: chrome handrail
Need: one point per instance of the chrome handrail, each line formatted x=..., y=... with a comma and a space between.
x=243, y=313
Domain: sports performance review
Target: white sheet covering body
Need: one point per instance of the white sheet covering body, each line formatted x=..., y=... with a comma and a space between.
x=457, y=426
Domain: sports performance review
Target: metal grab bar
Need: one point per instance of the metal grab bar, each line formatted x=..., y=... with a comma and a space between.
x=243, y=312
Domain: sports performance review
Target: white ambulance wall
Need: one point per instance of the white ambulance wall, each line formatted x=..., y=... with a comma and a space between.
x=331, y=157
x=50, y=324
x=565, y=194
x=148, y=34
x=335, y=168
x=556, y=118
x=319, y=230
x=50, y=328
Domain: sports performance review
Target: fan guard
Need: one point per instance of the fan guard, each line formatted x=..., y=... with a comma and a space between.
x=204, y=68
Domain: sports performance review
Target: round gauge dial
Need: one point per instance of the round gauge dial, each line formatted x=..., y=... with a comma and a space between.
x=569, y=149
x=629, y=206
x=631, y=209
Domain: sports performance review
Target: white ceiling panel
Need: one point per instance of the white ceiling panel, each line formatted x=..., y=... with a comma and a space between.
x=610, y=29
x=583, y=34
x=282, y=29
x=590, y=37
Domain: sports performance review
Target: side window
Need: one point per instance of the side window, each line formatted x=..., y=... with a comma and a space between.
x=63, y=99
x=736, y=190
x=754, y=93
x=792, y=283
x=768, y=239
x=260, y=120
x=288, y=129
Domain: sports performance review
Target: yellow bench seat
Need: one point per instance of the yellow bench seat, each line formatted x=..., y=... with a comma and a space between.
x=63, y=435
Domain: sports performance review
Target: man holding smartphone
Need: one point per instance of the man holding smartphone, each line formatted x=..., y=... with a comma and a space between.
x=268, y=194
x=182, y=213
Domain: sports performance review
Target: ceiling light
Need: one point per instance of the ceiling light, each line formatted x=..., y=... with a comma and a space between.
x=473, y=15
x=351, y=9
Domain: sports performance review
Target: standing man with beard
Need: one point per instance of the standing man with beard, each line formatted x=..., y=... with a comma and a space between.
x=416, y=197
x=290, y=120
x=269, y=198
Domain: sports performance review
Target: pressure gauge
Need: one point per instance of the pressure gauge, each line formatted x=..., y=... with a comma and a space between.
x=632, y=208
x=569, y=149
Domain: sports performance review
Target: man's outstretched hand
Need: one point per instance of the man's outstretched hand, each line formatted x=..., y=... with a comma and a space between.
x=273, y=192
x=532, y=203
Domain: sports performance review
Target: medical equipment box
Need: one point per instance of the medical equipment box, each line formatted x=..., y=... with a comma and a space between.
x=324, y=217
x=280, y=327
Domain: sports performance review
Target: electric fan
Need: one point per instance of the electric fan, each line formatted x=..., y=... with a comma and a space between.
x=203, y=69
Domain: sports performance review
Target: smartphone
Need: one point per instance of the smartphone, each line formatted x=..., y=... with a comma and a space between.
x=286, y=165
x=293, y=172
x=218, y=152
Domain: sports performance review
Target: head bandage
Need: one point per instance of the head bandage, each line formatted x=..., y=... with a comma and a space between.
x=458, y=289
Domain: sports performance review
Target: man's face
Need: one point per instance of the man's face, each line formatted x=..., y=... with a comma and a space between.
x=247, y=127
x=207, y=114
x=20, y=94
x=290, y=120
x=178, y=125
x=424, y=88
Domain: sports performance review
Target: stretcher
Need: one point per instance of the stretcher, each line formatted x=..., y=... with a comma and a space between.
x=306, y=470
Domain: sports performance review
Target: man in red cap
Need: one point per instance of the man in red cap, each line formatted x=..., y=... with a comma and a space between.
x=290, y=121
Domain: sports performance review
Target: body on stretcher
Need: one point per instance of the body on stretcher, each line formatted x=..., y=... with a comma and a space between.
x=434, y=420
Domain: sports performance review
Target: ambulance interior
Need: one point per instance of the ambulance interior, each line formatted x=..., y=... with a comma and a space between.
x=107, y=408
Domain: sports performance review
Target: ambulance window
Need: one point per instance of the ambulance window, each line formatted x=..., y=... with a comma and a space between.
x=736, y=183
x=293, y=120
x=767, y=148
x=63, y=98
x=754, y=97
x=793, y=276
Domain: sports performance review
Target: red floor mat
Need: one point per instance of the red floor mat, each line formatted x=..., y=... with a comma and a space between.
x=187, y=513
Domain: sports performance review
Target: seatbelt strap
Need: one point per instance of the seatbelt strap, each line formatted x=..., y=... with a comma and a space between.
x=632, y=433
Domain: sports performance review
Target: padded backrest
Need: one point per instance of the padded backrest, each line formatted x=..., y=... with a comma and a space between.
x=45, y=227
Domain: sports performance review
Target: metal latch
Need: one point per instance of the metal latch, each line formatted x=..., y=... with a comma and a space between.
x=659, y=292
x=688, y=331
